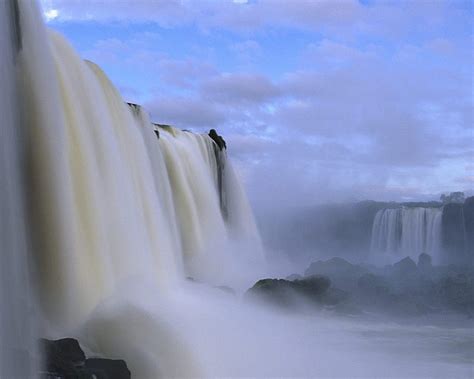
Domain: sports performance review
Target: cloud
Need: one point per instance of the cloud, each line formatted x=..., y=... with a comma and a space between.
x=247, y=51
x=374, y=100
x=238, y=88
x=184, y=112
x=184, y=73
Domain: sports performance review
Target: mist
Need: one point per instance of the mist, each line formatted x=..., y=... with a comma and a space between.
x=236, y=189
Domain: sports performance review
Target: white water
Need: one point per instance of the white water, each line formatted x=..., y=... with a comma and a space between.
x=115, y=209
x=120, y=219
x=16, y=302
x=397, y=233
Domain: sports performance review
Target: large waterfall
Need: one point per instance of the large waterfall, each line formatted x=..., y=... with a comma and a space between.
x=401, y=232
x=16, y=338
x=115, y=202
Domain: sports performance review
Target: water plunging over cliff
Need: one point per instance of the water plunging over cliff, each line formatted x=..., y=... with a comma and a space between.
x=406, y=232
x=111, y=206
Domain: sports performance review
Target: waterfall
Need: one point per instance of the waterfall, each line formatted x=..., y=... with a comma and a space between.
x=401, y=232
x=16, y=324
x=115, y=202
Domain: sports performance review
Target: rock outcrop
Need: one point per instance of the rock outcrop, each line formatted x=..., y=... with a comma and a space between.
x=217, y=139
x=404, y=289
x=291, y=293
x=64, y=359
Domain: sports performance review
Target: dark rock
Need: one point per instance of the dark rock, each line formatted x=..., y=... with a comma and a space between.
x=135, y=108
x=64, y=359
x=288, y=293
x=217, y=139
x=404, y=267
x=107, y=368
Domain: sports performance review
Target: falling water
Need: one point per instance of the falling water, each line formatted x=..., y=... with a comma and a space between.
x=401, y=232
x=121, y=211
x=112, y=207
x=16, y=302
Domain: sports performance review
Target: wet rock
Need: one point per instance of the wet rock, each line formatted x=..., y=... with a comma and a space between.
x=107, y=368
x=286, y=293
x=217, y=139
x=64, y=359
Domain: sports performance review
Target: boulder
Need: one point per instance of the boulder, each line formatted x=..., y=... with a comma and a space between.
x=107, y=368
x=64, y=359
x=286, y=293
x=217, y=139
x=404, y=267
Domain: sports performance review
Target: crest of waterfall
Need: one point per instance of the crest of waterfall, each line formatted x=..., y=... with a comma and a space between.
x=401, y=232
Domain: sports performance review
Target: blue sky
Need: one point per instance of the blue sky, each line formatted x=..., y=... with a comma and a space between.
x=318, y=100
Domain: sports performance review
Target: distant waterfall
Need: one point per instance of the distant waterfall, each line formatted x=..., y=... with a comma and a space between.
x=406, y=231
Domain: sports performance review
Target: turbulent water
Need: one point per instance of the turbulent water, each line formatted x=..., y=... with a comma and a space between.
x=125, y=230
x=401, y=232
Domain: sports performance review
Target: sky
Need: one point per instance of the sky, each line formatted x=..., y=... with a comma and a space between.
x=319, y=101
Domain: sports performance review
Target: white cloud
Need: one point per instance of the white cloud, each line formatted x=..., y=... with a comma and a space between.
x=51, y=14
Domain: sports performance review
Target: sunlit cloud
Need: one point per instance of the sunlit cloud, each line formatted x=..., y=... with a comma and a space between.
x=51, y=14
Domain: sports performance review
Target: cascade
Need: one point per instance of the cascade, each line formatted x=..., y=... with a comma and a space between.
x=406, y=232
x=16, y=324
x=120, y=208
